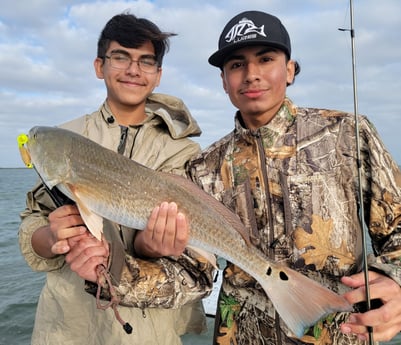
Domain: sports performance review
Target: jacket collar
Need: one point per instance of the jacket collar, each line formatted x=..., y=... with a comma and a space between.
x=279, y=124
x=165, y=108
x=174, y=114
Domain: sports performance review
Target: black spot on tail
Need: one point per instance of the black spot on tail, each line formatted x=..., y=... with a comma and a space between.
x=269, y=271
x=283, y=276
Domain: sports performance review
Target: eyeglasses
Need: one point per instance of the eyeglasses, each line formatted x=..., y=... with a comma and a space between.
x=122, y=61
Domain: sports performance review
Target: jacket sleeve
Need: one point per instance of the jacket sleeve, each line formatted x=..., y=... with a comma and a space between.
x=38, y=206
x=168, y=282
x=382, y=198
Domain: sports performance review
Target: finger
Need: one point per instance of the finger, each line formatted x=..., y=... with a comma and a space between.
x=353, y=281
x=72, y=241
x=60, y=247
x=66, y=233
x=170, y=227
x=380, y=287
x=64, y=211
x=357, y=283
x=358, y=324
x=358, y=279
x=352, y=329
x=64, y=224
x=382, y=320
x=159, y=227
x=152, y=220
x=90, y=257
x=85, y=265
x=380, y=333
x=84, y=249
x=88, y=270
x=182, y=233
x=360, y=321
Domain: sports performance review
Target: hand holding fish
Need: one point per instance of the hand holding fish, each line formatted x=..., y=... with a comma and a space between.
x=85, y=256
x=386, y=320
x=166, y=233
x=65, y=223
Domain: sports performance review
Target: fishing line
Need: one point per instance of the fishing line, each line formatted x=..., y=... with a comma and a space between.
x=364, y=228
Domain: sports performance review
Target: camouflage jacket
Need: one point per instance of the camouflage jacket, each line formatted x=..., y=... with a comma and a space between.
x=299, y=173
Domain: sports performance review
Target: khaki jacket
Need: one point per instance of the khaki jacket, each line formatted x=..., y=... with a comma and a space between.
x=161, y=297
x=300, y=174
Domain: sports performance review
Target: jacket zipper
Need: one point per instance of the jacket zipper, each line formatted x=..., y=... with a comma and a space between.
x=123, y=140
x=269, y=215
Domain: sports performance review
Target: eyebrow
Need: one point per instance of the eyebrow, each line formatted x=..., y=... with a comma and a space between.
x=120, y=51
x=124, y=52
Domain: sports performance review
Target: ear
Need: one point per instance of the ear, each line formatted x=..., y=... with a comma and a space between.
x=290, y=71
x=98, y=64
x=223, y=79
x=159, y=76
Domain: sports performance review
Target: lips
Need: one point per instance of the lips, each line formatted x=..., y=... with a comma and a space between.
x=131, y=83
x=252, y=93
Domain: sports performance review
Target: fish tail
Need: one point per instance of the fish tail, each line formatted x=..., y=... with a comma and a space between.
x=300, y=301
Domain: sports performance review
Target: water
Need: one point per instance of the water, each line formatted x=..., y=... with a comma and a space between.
x=19, y=286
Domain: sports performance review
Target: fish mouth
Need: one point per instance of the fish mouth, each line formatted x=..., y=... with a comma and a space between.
x=22, y=140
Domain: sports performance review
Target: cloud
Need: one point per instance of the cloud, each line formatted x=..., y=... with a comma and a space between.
x=48, y=48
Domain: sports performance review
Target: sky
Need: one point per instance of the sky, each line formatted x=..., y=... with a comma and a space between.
x=47, y=48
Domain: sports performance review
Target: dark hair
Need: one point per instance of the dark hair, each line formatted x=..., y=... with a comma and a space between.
x=132, y=32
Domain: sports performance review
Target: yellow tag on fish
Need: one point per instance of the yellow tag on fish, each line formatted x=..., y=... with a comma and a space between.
x=22, y=139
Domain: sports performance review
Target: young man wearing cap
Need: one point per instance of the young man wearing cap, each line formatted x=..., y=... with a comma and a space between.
x=290, y=173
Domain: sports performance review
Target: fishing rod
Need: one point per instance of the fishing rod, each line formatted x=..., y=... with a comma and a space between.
x=59, y=200
x=364, y=228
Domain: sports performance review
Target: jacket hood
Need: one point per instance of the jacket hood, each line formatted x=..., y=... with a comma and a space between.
x=175, y=114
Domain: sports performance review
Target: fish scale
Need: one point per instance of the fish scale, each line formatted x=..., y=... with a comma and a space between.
x=114, y=187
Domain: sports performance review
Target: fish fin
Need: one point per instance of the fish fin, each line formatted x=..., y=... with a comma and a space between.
x=210, y=257
x=290, y=291
x=93, y=221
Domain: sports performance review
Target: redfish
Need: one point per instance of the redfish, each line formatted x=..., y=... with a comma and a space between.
x=107, y=185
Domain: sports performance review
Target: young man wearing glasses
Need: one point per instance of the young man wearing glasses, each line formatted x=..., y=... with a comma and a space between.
x=161, y=293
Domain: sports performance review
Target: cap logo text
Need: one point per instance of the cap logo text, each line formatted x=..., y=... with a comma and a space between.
x=245, y=29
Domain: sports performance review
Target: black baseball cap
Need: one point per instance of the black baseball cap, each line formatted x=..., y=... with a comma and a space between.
x=251, y=28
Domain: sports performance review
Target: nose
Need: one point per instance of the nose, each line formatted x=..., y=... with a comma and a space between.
x=252, y=72
x=133, y=67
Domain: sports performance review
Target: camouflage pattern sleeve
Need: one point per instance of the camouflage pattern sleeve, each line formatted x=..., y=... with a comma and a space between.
x=168, y=282
x=384, y=204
